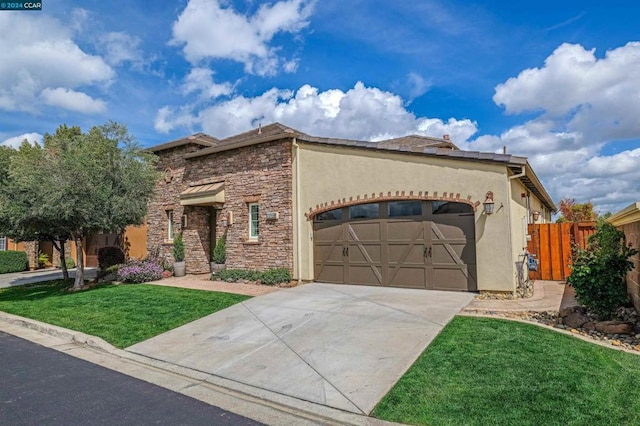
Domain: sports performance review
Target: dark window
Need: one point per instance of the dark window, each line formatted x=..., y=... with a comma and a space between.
x=330, y=215
x=444, y=207
x=364, y=211
x=404, y=208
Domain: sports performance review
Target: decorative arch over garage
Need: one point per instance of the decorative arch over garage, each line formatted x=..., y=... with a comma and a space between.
x=389, y=196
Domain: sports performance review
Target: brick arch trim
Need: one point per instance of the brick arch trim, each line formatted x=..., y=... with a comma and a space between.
x=389, y=196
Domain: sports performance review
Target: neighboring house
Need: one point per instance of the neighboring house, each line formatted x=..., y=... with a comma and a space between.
x=405, y=212
x=628, y=221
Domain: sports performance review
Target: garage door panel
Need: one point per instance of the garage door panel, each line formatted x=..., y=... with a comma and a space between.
x=454, y=253
x=451, y=279
x=405, y=231
x=364, y=231
x=408, y=277
x=448, y=231
x=405, y=254
x=330, y=273
x=365, y=274
x=365, y=253
x=328, y=253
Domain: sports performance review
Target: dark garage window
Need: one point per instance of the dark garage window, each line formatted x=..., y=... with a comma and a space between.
x=364, y=211
x=404, y=208
x=335, y=214
x=444, y=207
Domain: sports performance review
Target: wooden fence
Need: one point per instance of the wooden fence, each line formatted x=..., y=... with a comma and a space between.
x=552, y=242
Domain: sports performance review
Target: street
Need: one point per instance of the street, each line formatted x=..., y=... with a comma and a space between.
x=41, y=386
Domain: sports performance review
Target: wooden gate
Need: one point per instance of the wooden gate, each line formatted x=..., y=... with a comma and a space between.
x=552, y=242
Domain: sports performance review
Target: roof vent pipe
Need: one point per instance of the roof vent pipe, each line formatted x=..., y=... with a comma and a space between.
x=504, y=149
x=445, y=137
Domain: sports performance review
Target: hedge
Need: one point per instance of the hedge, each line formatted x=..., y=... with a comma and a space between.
x=12, y=261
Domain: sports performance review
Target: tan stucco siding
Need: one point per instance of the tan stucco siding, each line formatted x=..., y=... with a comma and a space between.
x=329, y=173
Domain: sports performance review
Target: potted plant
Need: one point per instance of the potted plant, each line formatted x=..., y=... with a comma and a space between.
x=219, y=256
x=179, y=267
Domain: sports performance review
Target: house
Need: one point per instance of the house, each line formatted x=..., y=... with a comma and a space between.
x=409, y=212
x=628, y=221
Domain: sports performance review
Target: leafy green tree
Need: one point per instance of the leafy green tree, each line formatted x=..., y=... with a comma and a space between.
x=6, y=152
x=79, y=184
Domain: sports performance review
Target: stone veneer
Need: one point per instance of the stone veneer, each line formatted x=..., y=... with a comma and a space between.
x=259, y=173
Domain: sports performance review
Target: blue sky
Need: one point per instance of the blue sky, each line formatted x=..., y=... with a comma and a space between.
x=558, y=83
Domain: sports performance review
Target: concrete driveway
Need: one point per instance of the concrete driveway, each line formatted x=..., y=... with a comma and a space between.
x=337, y=345
x=30, y=277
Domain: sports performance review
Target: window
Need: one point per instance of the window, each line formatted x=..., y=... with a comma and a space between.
x=3, y=243
x=404, y=208
x=254, y=221
x=445, y=207
x=364, y=211
x=330, y=215
x=169, y=225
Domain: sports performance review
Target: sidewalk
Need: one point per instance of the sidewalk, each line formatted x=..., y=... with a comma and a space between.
x=30, y=277
x=547, y=296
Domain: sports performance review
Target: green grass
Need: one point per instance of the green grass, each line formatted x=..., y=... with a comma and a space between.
x=482, y=371
x=120, y=314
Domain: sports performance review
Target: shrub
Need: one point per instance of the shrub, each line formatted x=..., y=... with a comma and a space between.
x=70, y=263
x=268, y=277
x=220, y=251
x=597, y=272
x=275, y=276
x=12, y=261
x=43, y=259
x=178, y=248
x=136, y=272
x=109, y=256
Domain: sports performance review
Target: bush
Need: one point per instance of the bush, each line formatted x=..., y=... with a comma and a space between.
x=109, y=256
x=220, y=251
x=136, y=272
x=597, y=272
x=178, y=248
x=70, y=263
x=43, y=259
x=12, y=261
x=268, y=277
x=275, y=276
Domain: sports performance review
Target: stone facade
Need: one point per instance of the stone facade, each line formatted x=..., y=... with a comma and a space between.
x=259, y=173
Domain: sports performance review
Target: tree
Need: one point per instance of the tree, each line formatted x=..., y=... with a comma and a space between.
x=570, y=211
x=79, y=184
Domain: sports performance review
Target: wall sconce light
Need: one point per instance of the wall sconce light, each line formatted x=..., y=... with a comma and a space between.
x=536, y=215
x=488, y=203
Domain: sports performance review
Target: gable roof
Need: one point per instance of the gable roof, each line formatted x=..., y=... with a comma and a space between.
x=201, y=139
x=413, y=144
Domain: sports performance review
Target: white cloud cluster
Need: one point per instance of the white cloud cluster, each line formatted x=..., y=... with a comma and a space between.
x=212, y=29
x=362, y=113
x=119, y=47
x=16, y=141
x=41, y=64
x=586, y=106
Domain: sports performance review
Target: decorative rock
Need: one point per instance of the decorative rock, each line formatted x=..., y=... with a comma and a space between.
x=616, y=342
x=575, y=320
x=614, y=327
x=589, y=326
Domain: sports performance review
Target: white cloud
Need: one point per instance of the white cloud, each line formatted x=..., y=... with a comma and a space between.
x=16, y=141
x=586, y=105
x=72, y=100
x=208, y=30
x=37, y=52
x=363, y=113
x=417, y=84
x=200, y=80
x=119, y=47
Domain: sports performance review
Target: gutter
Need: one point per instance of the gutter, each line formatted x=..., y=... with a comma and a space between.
x=519, y=175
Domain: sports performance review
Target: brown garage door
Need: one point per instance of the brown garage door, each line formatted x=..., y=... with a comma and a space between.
x=415, y=244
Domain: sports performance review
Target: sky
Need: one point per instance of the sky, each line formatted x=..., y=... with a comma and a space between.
x=556, y=82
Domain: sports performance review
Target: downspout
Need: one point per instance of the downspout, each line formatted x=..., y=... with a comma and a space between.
x=297, y=207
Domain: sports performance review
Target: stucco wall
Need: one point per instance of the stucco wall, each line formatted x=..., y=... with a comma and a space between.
x=329, y=173
x=628, y=220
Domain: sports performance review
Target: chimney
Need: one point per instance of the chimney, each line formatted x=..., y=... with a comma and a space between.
x=504, y=149
x=445, y=137
x=259, y=128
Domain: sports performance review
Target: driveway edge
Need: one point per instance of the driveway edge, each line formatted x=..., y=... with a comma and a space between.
x=259, y=404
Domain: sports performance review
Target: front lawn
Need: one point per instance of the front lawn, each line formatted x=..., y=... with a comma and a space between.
x=482, y=371
x=120, y=314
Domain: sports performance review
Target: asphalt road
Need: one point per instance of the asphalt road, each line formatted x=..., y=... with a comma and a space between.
x=41, y=386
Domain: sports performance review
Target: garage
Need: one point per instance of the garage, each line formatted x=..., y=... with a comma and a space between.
x=404, y=243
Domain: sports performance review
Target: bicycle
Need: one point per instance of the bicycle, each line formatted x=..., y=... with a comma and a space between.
x=526, y=262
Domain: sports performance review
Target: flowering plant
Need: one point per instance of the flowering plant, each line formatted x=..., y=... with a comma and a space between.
x=136, y=271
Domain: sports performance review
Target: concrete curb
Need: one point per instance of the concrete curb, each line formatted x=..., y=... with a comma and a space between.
x=259, y=404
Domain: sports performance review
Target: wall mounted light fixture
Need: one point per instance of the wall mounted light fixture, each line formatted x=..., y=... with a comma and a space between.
x=536, y=215
x=489, y=203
